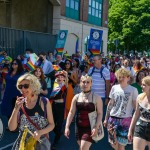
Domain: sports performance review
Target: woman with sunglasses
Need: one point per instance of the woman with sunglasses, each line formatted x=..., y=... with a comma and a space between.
x=11, y=92
x=71, y=84
x=38, y=72
x=31, y=105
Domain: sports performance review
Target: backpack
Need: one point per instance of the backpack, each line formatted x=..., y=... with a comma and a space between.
x=101, y=72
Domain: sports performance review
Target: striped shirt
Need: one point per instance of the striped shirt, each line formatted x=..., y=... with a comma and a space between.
x=98, y=82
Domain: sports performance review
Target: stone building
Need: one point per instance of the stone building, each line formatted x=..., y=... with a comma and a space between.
x=50, y=16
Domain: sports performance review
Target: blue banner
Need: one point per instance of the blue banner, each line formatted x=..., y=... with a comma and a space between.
x=95, y=41
x=61, y=40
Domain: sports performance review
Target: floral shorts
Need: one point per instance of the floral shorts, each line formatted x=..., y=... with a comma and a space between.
x=118, y=130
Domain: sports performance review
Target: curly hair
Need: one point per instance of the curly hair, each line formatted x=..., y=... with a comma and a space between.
x=122, y=72
x=34, y=82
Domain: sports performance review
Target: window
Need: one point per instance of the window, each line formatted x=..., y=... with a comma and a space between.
x=72, y=9
x=95, y=12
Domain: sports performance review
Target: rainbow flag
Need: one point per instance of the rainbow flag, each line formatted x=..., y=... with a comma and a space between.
x=29, y=66
x=94, y=51
x=56, y=89
x=56, y=68
x=59, y=51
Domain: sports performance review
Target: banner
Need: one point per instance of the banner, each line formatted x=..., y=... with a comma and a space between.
x=61, y=40
x=95, y=41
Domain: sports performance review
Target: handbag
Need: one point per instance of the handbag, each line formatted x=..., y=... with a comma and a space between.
x=93, y=118
x=45, y=140
x=30, y=143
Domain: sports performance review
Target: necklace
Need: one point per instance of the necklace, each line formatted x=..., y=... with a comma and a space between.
x=85, y=96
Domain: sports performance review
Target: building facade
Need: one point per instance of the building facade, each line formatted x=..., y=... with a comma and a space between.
x=50, y=16
x=78, y=17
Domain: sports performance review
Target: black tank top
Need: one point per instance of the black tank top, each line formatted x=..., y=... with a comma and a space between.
x=36, y=109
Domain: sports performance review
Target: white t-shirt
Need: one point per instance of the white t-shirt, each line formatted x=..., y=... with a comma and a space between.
x=123, y=99
x=98, y=82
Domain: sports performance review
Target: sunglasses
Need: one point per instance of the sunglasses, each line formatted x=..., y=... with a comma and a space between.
x=25, y=86
x=14, y=64
x=67, y=63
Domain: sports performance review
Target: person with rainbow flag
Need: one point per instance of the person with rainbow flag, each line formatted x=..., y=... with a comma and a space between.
x=57, y=98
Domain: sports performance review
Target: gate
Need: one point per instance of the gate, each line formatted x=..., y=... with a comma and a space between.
x=16, y=41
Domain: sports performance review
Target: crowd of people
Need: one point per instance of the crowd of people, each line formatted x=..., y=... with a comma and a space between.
x=116, y=87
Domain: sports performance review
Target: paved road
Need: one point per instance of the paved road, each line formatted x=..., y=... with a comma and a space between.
x=64, y=144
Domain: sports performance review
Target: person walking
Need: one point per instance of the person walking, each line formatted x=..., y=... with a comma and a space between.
x=57, y=97
x=11, y=92
x=82, y=104
x=31, y=111
x=101, y=79
x=139, y=130
x=119, y=110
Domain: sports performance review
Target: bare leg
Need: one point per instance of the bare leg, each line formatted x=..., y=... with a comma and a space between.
x=139, y=143
x=121, y=147
x=85, y=145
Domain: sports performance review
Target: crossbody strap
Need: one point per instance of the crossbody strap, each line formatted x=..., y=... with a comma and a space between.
x=32, y=121
x=93, y=100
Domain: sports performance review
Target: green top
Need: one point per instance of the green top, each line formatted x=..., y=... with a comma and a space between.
x=138, y=87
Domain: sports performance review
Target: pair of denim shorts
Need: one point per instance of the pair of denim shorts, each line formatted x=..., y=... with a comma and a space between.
x=142, y=130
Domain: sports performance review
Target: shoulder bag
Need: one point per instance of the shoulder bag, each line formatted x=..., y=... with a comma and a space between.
x=45, y=140
x=93, y=119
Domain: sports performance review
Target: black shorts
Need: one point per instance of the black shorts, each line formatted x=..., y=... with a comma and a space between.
x=142, y=130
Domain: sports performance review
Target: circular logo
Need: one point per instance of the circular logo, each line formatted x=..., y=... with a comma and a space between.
x=1, y=129
x=95, y=35
x=62, y=35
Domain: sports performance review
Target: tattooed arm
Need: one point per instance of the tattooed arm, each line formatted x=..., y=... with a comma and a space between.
x=109, y=107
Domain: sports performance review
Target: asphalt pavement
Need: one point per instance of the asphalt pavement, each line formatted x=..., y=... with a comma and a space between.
x=64, y=143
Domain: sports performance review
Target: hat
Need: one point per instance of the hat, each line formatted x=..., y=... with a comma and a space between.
x=59, y=73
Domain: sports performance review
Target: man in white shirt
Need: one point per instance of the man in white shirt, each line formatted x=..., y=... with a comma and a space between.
x=129, y=68
x=100, y=79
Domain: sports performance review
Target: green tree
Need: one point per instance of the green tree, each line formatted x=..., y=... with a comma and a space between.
x=129, y=22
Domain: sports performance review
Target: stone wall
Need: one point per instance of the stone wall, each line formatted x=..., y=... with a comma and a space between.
x=35, y=15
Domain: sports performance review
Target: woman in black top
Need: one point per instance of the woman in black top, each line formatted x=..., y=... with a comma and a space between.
x=58, y=104
x=38, y=110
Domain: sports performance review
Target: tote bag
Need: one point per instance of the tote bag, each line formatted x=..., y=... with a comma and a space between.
x=93, y=119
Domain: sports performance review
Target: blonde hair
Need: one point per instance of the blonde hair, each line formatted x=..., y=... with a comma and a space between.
x=34, y=82
x=85, y=77
x=147, y=82
x=122, y=72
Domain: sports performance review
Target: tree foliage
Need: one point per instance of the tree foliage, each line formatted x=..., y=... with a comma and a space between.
x=129, y=22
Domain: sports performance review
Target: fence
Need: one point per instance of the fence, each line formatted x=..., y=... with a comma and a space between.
x=16, y=41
